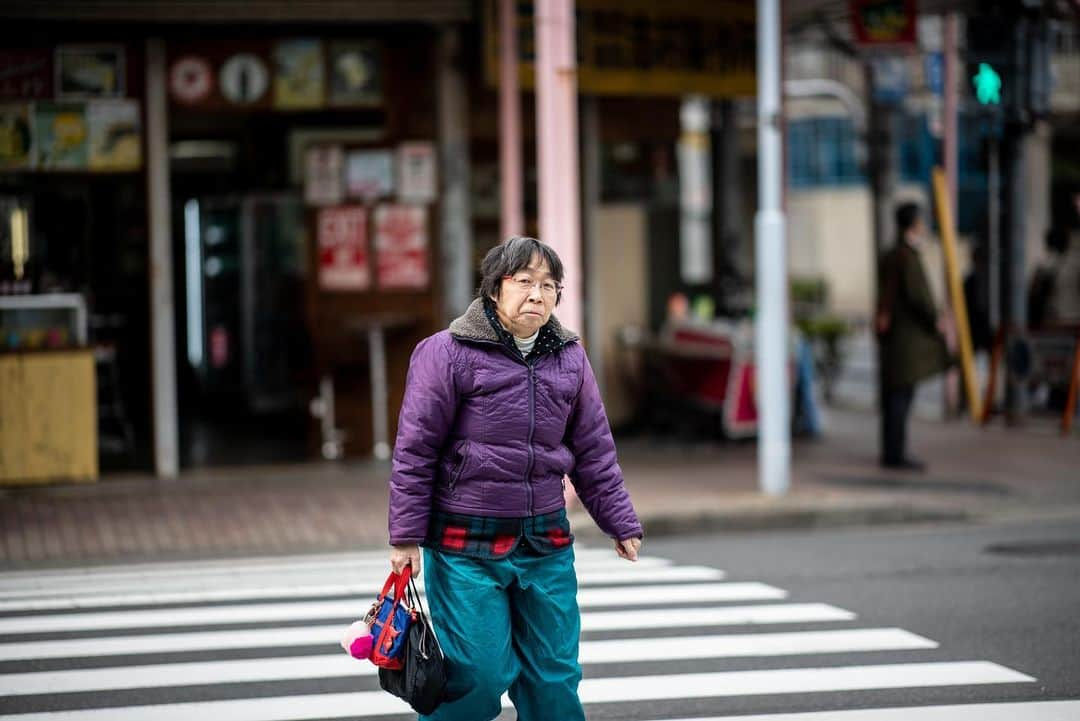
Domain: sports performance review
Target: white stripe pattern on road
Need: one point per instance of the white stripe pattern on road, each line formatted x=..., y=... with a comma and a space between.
x=701, y=617
x=1008, y=711
x=339, y=665
x=603, y=690
x=369, y=585
x=291, y=611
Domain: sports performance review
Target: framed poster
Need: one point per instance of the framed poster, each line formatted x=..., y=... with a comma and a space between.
x=26, y=74
x=298, y=74
x=60, y=136
x=244, y=79
x=16, y=137
x=322, y=175
x=115, y=134
x=401, y=246
x=416, y=172
x=355, y=73
x=89, y=71
x=343, y=253
x=369, y=174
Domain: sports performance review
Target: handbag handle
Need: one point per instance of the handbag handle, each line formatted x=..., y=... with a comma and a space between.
x=397, y=581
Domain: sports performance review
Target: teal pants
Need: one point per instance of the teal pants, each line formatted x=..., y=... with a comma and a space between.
x=507, y=625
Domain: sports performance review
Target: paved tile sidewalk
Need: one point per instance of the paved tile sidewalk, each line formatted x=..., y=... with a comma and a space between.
x=676, y=487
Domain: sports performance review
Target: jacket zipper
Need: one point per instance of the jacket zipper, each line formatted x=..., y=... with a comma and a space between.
x=532, y=430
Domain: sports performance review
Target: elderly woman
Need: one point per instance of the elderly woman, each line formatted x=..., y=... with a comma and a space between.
x=498, y=409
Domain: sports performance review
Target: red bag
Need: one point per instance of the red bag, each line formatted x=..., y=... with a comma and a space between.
x=390, y=619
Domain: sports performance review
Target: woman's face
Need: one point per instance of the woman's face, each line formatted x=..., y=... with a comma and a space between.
x=527, y=298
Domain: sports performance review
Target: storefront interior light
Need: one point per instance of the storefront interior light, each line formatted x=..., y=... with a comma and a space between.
x=193, y=282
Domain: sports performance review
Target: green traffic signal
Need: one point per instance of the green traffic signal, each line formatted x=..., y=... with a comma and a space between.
x=987, y=85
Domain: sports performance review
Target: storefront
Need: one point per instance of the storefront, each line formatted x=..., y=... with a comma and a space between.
x=248, y=205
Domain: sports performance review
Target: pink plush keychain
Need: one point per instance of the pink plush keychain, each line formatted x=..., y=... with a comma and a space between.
x=358, y=640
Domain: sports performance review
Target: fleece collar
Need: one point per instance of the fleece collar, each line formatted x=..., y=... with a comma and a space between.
x=474, y=325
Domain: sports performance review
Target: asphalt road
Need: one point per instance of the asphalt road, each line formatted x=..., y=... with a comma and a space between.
x=891, y=620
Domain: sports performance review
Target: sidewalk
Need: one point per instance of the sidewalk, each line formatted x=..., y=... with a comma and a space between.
x=676, y=487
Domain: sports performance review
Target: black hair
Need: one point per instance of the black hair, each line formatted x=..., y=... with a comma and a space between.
x=512, y=256
x=906, y=216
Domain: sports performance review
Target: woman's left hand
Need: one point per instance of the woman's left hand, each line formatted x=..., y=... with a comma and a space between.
x=628, y=548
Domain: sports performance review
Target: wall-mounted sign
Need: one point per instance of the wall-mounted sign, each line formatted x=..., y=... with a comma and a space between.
x=322, y=175
x=26, y=74
x=369, y=173
x=244, y=79
x=89, y=71
x=416, y=172
x=355, y=73
x=60, y=135
x=643, y=47
x=298, y=74
x=343, y=253
x=16, y=136
x=191, y=80
x=401, y=247
x=884, y=22
x=115, y=136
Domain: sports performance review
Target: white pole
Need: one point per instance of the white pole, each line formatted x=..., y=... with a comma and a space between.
x=162, y=324
x=770, y=346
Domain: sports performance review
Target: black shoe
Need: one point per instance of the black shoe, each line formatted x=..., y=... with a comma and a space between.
x=904, y=464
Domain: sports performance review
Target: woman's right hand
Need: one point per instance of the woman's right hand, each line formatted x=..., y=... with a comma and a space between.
x=406, y=555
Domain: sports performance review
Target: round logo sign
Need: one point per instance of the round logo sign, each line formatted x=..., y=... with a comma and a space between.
x=191, y=79
x=244, y=79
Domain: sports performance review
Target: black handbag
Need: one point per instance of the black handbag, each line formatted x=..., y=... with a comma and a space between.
x=421, y=680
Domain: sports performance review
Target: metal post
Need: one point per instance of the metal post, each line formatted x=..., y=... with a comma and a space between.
x=951, y=383
x=993, y=227
x=770, y=348
x=456, y=215
x=557, y=147
x=379, y=402
x=162, y=320
x=1016, y=311
x=512, y=213
x=590, y=194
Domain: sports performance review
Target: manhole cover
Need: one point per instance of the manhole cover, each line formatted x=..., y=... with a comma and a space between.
x=1036, y=548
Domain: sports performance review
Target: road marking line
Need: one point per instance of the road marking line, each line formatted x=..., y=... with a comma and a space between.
x=369, y=585
x=704, y=617
x=604, y=690
x=1006, y=711
x=291, y=611
x=338, y=664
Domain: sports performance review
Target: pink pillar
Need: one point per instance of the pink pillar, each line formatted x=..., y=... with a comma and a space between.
x=513, y=221
x=557, y=148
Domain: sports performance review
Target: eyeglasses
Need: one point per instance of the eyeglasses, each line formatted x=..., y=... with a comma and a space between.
x=524, y=283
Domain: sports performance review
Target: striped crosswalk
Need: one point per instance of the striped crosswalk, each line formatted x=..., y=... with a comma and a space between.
x=256, y=640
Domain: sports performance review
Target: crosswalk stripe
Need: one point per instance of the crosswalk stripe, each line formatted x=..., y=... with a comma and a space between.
x=288, y=611
x=370, y=586
x=338, y=664
x=603, y=690
x=1008, y=711
x=715, y=616
x=134, y=574
x=703, y=618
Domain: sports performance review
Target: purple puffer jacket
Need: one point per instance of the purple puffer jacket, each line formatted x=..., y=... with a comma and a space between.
x=483, y=433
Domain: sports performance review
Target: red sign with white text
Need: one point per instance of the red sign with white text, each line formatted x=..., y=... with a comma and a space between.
x=401, y=244
x=343, y=254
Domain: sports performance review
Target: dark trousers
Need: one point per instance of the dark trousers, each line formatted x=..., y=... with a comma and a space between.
x=896, y=407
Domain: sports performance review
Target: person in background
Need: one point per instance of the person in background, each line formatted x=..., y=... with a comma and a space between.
x=498, y=409
x=910, y=332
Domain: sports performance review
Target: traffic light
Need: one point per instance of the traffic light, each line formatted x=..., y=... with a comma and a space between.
x=1008, y=60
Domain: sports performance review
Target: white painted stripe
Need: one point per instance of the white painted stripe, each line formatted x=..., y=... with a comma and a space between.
x=668, y=648
x=338, y=664
x=715, y=616
x=1008, y=711
x=369, y=586
x=329, y=634
x=638, y=688
x=12, y=584
x=268, y=612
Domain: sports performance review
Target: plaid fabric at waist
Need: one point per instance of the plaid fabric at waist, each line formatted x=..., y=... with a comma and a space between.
x=487, y=537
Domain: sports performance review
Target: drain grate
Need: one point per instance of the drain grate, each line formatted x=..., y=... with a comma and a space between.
x=1036, y=548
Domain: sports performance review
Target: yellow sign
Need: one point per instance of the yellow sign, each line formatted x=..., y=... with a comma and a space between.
x=644, y=47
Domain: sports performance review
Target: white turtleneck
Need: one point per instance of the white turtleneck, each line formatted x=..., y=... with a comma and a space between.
x=525, y=345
